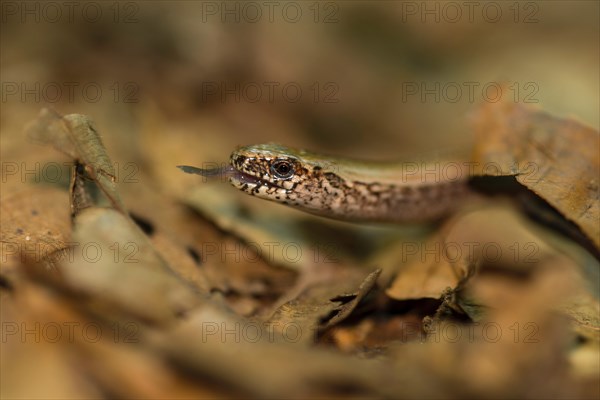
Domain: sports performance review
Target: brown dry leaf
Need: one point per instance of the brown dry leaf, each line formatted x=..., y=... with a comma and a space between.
x=76, y=136
x=325, y=303
x=35, y=359
x=173, y=229
x=426, y=270
x=213, y=345
x=495, y=237
x=113, y=260
x=521, y=329
x=372, y=335
x=101, y=356
x=110, y=257
x=201, y=252
x=35, y=224
x=212, y=259
x=501, y=239
x=352, y=300
x=180, y=262
x=520, y=346
x=558, y=159
x=584, y=309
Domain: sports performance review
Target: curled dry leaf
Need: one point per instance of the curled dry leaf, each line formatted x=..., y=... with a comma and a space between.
x=109, y=256
x=354, y=299
x=76, y=136
x=426, y=271
x=494, y=238
x=557, y=159
x=322, y=305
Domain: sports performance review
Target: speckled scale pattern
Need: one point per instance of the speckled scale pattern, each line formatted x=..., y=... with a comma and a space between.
x=317, y=188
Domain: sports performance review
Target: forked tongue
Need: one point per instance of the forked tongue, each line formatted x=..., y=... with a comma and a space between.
x=222, y=173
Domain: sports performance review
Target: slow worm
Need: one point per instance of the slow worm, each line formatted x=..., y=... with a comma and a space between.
x=346, y=189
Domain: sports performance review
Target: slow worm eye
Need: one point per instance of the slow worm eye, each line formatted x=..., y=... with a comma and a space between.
x=282, y=169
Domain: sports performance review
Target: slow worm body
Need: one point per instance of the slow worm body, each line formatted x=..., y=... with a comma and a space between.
x=346, y=189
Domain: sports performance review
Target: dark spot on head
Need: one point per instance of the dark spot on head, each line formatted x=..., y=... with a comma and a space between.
x=334, y=180
x=143, y=223
x=34, y=212
x=239, y=160
x=19, y=231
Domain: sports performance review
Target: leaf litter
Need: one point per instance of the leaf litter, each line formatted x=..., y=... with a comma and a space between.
x=496, y=303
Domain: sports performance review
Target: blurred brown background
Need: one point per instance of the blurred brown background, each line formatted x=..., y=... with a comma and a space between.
x=376, y=79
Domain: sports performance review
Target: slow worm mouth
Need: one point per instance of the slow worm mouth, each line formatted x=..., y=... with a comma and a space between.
x=234, y=175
